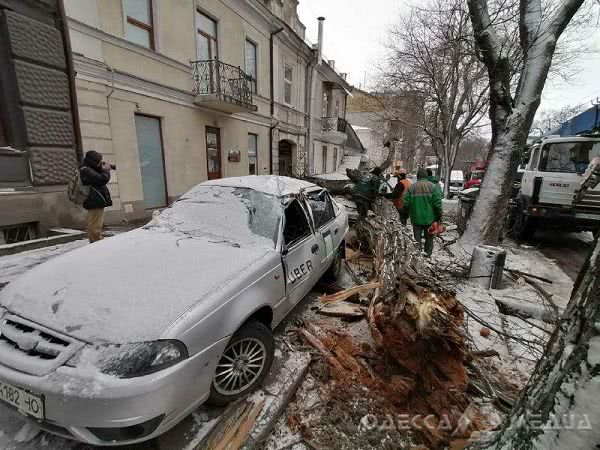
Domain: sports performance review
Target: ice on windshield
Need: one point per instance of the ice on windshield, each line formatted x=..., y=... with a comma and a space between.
x=238, y=216
x=572, y=157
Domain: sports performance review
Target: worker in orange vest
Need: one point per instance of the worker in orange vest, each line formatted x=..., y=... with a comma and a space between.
x=402, y=186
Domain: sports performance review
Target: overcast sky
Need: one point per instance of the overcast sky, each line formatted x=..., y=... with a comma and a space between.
x=354, y=31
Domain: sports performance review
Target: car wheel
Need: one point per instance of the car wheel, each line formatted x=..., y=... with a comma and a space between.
x=244, y=365
x=335, y=270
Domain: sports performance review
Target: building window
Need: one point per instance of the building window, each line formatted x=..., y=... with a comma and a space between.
x=324, y=162
x=251, y=54
x=252, y=147
x=139, y=28
x=335, y=156
x=288, y=82
x=325, y=108
x=206, y=37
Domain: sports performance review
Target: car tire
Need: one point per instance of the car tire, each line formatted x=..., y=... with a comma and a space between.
x=251, y=338
x=335, y=269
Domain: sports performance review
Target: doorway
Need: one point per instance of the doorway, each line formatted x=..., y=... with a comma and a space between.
x=152, y=163
x=213, y=152
x=285, y=158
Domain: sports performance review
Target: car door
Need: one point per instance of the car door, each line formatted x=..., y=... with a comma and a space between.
x=300, y=254
x=328, y=230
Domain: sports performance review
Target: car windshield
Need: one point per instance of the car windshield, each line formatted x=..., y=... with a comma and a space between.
x=238, y=216
x=569, y=157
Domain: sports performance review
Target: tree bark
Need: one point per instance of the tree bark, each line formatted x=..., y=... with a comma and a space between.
x=511, y=118
x=559, y=407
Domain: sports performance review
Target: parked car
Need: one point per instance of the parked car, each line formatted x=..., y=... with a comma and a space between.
x=118, y=341
x=457, y=179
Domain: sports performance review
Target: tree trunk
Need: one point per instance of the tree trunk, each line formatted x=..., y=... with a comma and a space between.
x=559, y=407
x=447, y=173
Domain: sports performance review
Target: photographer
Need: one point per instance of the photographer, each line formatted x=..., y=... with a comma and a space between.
x=95, y=173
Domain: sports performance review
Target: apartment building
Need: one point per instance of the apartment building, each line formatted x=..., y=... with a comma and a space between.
x=39, y=142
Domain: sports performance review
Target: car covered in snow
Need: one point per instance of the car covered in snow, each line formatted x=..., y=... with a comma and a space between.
x=116, y=342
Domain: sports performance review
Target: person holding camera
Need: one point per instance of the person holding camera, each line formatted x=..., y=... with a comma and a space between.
x=95, y=173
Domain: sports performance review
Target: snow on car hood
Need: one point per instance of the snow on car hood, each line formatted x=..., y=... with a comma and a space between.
x=128, y=288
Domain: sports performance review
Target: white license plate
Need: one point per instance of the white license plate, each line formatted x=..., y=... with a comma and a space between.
x=30, y=404
x=587, y=216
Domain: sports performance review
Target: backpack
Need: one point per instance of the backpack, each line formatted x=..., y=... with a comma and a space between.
x=77, y=192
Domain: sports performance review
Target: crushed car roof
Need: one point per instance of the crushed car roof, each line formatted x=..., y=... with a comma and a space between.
x=269, y=184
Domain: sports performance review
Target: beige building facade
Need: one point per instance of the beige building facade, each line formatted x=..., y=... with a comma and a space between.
x=175, y=92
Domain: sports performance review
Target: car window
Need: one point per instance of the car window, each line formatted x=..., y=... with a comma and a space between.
x=296, y=224
x=321, y=208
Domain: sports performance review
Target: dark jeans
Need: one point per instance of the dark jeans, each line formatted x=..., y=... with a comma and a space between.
x=362, y=206
x=420, y=232
x=403, y=213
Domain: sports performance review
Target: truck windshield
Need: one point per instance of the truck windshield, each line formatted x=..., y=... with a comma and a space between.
x=569, y=157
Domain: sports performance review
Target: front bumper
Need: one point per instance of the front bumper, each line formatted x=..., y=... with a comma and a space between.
x=565, y=219
x=85, y=405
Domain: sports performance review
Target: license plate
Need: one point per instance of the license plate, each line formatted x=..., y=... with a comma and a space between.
x=25, y=402
x=587, y=216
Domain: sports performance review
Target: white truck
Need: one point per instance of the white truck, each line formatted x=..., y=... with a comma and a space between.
x=556, y=192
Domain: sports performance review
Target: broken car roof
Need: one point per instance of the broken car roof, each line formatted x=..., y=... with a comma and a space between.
x=269, y=184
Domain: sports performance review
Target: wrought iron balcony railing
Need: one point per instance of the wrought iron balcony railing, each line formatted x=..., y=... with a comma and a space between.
x=228, y=83
x=334, y=124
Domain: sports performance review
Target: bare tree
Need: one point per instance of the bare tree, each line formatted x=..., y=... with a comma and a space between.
x=516, y=85
x=559, y=407
x=431, y=54
x=548, y=120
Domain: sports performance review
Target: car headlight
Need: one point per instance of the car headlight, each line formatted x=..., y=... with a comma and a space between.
x=131, y=360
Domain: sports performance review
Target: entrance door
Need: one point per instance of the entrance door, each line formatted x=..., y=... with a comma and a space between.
x=152, y=164
x=213, y=152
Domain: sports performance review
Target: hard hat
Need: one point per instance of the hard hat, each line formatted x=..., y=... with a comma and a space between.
x=402, y=171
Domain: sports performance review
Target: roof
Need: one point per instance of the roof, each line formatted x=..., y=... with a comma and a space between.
x=269, y=184
x=585, y=122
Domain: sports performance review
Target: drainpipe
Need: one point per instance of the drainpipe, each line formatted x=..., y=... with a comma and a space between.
x=314, y=64
x=273, y=33
x=63, y=20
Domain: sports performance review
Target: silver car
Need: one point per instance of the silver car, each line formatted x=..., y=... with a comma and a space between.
x=118, y=341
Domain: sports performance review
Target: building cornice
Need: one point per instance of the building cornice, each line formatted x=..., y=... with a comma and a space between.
x=120, y=42
x=97, y=72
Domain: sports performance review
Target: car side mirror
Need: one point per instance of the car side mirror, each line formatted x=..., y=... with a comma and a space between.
x=284, y=250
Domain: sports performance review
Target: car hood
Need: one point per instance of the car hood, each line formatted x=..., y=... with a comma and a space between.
x=128, y=288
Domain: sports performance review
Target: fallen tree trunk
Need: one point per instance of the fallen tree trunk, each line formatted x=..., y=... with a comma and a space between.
x=413, y=318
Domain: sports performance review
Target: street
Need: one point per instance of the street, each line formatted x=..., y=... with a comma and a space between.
x=569, y=250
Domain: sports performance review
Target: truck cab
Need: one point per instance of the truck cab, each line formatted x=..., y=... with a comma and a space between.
x=550, y=181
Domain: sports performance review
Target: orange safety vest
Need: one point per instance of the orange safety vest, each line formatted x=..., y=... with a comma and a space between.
x=399, y=202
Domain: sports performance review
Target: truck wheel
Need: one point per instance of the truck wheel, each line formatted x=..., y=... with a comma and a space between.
x=523, y=227
x=335, y=270
x=244, y=365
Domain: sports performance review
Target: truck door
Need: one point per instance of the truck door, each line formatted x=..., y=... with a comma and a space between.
x=301, y=253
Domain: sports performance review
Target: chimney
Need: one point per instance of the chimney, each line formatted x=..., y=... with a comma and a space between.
x=331, y=63
x=320, y=40
x=344, y=75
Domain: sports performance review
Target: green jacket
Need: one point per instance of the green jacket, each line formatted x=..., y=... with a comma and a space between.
x=436, y=182
x=424, y=202
x=368, y=187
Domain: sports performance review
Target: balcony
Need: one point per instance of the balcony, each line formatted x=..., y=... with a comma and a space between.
x=334, y=129
x=221, y=86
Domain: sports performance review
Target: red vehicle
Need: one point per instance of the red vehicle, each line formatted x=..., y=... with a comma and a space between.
x=475, y=175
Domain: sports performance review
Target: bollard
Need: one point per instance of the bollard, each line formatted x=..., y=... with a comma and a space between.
x=487, y=266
